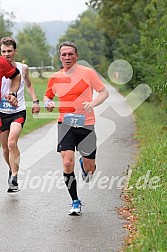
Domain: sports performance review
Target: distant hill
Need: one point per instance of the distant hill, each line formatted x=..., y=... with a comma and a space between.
x=52, y=29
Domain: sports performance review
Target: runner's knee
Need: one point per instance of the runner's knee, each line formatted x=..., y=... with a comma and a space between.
x=12, y=144
x=68, y=165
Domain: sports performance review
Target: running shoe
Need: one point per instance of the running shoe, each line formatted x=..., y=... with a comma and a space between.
x=86, y=176
x=10, y=174
x=13, y=185
x=76, y=208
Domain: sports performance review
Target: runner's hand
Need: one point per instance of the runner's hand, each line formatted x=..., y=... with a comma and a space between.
x=49, y=105
x=88, y=106
x=35, y=108
x=12, y=100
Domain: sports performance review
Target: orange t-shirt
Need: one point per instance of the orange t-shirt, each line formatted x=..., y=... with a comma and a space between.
x=73, y=88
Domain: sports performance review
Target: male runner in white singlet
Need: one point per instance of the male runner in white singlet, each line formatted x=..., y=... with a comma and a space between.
x=13, y=118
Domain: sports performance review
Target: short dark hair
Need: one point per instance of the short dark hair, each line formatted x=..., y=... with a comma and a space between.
x=68, y=43
x=8, y=41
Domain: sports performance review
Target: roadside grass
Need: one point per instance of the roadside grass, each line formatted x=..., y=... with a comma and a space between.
x=34, y=122
x=148, y=196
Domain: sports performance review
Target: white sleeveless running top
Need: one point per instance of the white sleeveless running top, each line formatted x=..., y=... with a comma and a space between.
x=20, y=94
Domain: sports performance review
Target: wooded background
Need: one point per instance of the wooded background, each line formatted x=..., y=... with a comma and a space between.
x=135, y=31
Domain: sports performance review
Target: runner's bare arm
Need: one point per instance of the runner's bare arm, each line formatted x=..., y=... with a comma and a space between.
x=102, y=96
x=30, y=89
x=14, y=86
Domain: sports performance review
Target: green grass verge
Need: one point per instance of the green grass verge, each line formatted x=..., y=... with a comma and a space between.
x=149, y=180
x=33, y=123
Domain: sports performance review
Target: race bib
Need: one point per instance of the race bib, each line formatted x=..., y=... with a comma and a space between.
x=4, y=104
x=74, y=120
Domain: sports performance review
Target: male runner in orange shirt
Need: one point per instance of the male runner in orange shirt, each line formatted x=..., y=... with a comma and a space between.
x=74, y=85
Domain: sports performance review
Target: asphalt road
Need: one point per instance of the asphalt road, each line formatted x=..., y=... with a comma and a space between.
x=36, y=218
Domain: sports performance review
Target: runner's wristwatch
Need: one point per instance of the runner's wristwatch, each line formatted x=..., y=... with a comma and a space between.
x=13, y=93
x=36, y=102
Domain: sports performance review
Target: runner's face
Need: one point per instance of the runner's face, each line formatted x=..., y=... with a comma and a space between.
x=68, y=57
x=8, y=52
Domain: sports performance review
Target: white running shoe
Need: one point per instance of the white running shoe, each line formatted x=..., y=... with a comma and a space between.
x=76, y=208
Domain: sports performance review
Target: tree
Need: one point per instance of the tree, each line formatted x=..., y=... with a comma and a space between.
x=161, y=68
x=6, y=23
x=134, y=29
x=89, y=39
x=32, y=47
x=153, y=44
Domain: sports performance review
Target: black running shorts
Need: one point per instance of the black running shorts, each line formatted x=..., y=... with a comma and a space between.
x=7, y=119
x=83, y=139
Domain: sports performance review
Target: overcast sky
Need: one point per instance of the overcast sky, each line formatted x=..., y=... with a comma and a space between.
x=44, y=10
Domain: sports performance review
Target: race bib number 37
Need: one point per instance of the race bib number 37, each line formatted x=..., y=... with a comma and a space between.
x=6, y=106
x=74, y=120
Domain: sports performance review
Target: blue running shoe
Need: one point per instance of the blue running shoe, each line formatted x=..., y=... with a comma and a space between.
x=85, y=176
x=76, y=208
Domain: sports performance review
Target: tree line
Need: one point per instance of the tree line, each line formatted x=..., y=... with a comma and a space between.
x=135, y=31
x=32, y=45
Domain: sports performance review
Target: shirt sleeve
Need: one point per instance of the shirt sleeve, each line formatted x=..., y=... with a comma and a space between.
x=6, y=69
x=96, y=82
x=50, y=92
x=16, y=73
